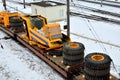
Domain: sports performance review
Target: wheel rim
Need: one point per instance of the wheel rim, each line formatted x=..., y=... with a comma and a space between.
x=97, y=57
x=73, y=45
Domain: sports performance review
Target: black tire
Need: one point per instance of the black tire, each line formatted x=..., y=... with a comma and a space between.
x=97, y=66
x=90, y=77
x=94, y=64
x=69, y=50
x=73, y=57
x=55, y=52
x=97, y=72
x=72, y=62
x=15, y=20
x=73, y=53
x=16, y=24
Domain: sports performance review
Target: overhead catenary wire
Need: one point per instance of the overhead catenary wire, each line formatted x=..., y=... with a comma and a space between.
x=115, y=69
x=98, y=38
x=94, y=33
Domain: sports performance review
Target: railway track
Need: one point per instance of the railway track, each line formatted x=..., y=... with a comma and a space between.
x=16, y=2
x=101, y=3
x=92, y=16
x=96, y=10
x=95, y=17
x=77, y=5
x=111, y=2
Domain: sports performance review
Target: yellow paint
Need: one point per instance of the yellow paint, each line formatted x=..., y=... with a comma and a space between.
x=98, y=57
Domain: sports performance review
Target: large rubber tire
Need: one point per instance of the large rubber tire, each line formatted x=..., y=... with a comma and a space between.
x=97, y=72
x=73, y=53
x=101, y=64
x=16, y=24
x=90, y=77
x=70, y=50
x=15, y=20
x=73, y=57
x=72, y=62
x=56, y=52
x=97, y=66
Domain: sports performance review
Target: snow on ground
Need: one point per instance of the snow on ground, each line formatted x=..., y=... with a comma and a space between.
x=16, y=57
x=85, y=27
x=18, y=63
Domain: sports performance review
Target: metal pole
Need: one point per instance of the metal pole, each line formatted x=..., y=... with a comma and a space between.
x=68, y=18
x=24, y=3
x=101, y=3
x=4, y=4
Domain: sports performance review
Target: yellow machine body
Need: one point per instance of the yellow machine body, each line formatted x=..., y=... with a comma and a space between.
x=47, y=36
x=5, y=17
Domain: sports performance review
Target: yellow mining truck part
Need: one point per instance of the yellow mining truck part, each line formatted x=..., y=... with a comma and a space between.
x=37, y=30
x=40, y=32
x=5, y=17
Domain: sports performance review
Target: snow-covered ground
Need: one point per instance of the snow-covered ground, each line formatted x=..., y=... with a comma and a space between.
x=17, y=57
x=18, y=63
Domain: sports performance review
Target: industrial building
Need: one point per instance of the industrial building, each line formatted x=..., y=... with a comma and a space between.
x=54, y=11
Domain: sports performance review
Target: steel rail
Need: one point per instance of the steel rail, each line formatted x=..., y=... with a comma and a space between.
x=101, y=3
x=116, y=2
x=28, y=4
x=95, y=17
x=96, y=10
